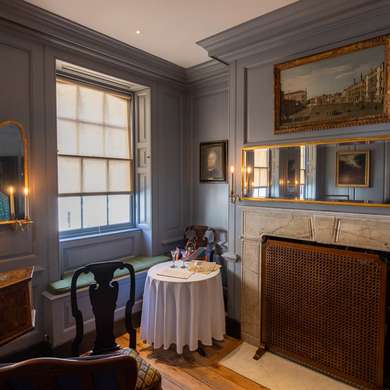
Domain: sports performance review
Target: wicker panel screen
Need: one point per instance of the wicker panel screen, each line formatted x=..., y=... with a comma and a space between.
x=325, y=308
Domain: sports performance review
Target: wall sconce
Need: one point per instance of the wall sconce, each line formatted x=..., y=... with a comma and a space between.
x=233, y=196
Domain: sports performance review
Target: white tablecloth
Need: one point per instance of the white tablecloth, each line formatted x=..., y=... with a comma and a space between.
x=182, y=311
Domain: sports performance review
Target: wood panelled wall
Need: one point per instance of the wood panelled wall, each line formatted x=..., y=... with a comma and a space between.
x=250, y=51
x=30, y=42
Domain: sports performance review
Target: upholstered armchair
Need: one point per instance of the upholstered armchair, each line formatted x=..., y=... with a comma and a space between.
x=86, y=373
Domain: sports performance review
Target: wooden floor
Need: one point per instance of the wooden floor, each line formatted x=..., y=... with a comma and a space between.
x=192, y=371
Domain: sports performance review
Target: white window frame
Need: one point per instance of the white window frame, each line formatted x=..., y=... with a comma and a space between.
x=114, y=227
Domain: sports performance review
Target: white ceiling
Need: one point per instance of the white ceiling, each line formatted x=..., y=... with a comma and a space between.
x=169, y=28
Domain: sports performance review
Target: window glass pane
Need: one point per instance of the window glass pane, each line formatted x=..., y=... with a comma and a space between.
x=94, y=175
x=263, y=177
x=94, y=211
x=69, y=175
x=118, y=209
x=261, y=158
x=67, y=137
x=302, y=176
x=91, y=140
x=117, y=143
x=91, y=105
x=69, y=213
x=118, y=176
x=116, y=111
x=66, y=100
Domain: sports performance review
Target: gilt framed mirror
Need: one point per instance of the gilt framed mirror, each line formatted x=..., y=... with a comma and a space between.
x=351, y=171
x=14, y=184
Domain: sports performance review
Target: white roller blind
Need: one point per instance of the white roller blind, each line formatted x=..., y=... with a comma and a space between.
x=67, y=137
x=119, y=176
x=261, y=158
x=91, y=140
x=90, y=105
x=67, y=100
x=69, y=175
x=116, y=113
x=95, y=175
x=117, y=143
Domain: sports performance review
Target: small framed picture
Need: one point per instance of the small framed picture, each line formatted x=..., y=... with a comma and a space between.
x=353, y=169
x=213, y=162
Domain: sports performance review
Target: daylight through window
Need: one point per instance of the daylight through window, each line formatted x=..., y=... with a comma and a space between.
x=95, y=178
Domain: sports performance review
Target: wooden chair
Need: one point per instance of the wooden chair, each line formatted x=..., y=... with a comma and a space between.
x=103, y=295
x=195, y=238
x=89, y=373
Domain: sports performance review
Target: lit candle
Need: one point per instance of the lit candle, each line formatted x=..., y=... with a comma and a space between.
x=232, y=181
x=12, y=202
x=26, y=204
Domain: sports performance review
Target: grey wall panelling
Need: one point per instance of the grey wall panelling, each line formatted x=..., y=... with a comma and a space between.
x=30, y=41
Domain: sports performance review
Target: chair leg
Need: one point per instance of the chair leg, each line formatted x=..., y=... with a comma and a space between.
x=133, y=338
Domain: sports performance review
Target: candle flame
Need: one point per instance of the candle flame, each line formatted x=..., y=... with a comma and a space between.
x=11, y=190
x=249, y=169
x=232, y=169
x=26, y=191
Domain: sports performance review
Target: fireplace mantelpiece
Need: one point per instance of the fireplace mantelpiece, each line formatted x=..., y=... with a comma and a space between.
x=354, y=230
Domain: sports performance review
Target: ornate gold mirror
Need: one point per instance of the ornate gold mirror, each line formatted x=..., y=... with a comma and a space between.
x=348, y=171
x=14, y=202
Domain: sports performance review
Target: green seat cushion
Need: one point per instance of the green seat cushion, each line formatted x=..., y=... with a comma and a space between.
x=139, y=263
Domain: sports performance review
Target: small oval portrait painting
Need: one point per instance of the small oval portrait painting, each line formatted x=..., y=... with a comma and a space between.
x=213, y=161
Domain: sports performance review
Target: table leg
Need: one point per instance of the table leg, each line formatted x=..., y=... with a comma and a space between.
x=201, y=350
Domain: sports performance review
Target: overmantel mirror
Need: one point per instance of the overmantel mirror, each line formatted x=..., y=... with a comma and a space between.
x=349, y=171
x=14, y=199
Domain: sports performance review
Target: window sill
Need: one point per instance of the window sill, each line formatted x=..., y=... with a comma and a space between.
x=98, y=235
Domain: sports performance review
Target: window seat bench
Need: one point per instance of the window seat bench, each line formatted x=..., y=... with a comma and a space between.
x=58, y=319
x=139, y=263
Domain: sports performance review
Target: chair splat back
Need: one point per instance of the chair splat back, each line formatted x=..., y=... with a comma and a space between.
x=103, y=295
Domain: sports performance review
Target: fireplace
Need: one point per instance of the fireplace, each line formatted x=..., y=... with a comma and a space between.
x=324, y=306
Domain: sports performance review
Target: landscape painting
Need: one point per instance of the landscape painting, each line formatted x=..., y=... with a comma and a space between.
x=353, y=169
x=338, y=88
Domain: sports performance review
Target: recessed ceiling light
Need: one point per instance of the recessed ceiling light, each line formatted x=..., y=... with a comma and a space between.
x=138, y=32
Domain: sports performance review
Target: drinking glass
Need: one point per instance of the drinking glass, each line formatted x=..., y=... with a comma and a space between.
x=173, y=254
x=183, y=256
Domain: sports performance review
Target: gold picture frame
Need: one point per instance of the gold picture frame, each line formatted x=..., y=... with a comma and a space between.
x=353, y=169
x=287, y=119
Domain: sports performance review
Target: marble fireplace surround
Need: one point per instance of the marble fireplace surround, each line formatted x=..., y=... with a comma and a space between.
x=354, y=230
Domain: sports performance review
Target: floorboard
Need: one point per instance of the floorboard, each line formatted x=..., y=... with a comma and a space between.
x=192, y=371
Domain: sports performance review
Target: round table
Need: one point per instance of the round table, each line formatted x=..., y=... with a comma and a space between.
x=182, y=311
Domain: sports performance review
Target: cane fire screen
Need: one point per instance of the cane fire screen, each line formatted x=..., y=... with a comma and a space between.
x=325, y=308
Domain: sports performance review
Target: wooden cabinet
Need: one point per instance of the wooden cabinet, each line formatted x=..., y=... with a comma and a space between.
x=16, y=313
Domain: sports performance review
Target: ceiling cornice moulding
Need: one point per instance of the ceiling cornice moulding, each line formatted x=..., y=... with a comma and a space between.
x=205, y=71
x=62, y=32
x=296, y=22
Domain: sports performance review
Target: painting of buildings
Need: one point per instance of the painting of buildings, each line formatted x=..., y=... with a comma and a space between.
x=331, y=91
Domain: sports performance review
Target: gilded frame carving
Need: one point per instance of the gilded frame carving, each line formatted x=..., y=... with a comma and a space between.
x=321, y=125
